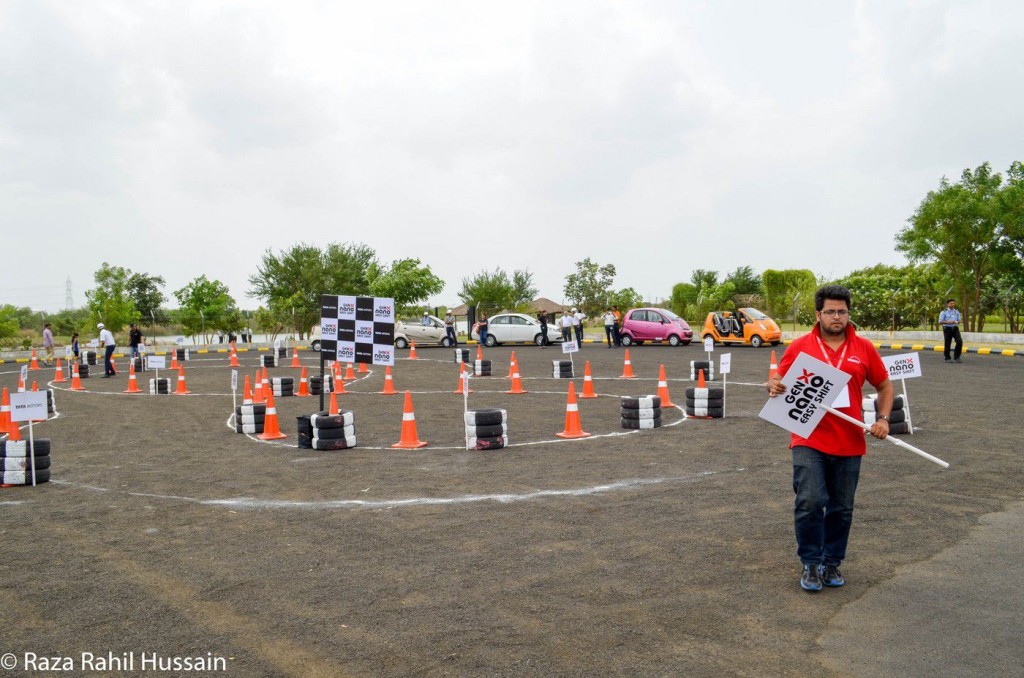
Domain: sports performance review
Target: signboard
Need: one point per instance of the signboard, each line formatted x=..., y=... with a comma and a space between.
x=709, y=344
x=179, y=340
x=24, y=374
x=277, y=344
x=68, y=352
x=234, y=380
x=903, y=366
x=156, y=362
x=570, y=347
x=811, y=385
x=28, y=406
x=725, y=363
x=358, y=329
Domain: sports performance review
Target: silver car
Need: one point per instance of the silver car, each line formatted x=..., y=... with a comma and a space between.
x=505, y=328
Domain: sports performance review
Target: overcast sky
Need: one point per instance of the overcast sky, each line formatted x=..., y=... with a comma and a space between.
x=186, y=138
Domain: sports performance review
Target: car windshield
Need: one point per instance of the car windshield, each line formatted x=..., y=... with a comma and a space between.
x=670, y=314
x=754, y=314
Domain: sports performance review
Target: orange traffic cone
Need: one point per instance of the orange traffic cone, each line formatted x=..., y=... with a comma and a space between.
x=182, y=387
x=389, y=384
x=339, y=383
x=295, y=358
x=271, y=429
x=5, y=413
x=336, y=371
x=34, y=365
x=773, y=366
x=517, y=383
x=234, y=357
x=479, y=352
x=174, y=359
x=13, y=431
x=412, y=351
x=21, y=384
x=113, y=368
x=333, y=411
x=35, y=389
x=701, y=383
x=363, y=369
x=58, y=377
x=303, y=385
x=266, y=384
x=349, y=374
x=573, y=427
x=133, y=382
x=666, y=401
x=257, y=391
x=410, y=438
x=462, y=373
x=588, y=383
x=627, y=368
x=247, y=392
x=511, y=364
x=76, y=381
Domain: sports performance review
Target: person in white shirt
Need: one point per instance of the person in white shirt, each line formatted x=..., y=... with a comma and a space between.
x=609, y=327
x=566, y=323
x=577, y=322
x=109, y=344
x=426, y=319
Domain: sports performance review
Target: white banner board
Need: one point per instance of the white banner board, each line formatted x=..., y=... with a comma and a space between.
x=903, y=366
x=725, y=363
x=156, y=362
x=358, y=329
x=811, y=385
x=28, y=406
x=68, y=352
x=570, y=347
x=709, y=344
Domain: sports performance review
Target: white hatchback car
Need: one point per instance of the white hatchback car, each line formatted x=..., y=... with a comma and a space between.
x=506, y=328
x=432, y=333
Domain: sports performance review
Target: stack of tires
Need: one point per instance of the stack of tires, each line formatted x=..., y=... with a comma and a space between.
x=183, y=355
x=16, y=465
x=90, y=357
x=486, y=429
x=482, y=368
x=282, y=353
x=83, y=370
x=269, y=360
x=462, y=355
x=640, y=411
x=283, y=387
x=250, y=418
x=899, y=418
x=323, y=431
x=140, y=364
x=161, y=386
x=707, y=365
x=561, y=369
x=707, y=403
x=318, y=384
x=51, y=401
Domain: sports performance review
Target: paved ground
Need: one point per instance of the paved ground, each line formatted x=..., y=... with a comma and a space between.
x=665, y=552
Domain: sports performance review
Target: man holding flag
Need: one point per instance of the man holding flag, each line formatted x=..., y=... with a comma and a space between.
x=826, y=464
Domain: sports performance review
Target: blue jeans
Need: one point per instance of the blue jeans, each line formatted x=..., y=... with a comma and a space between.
x=450, y=331
x=823, y=511
x=108, y=355
x=483, y=336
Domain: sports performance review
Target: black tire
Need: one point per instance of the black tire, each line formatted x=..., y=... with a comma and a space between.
x=461, y=355
x=561, y=364
x=486, y=417
x=251, y=409
x=713, y=412
x=401, y=343
x=673, y=340
x=636, y=424
x=486, y=443
x=302, y=423
x=334, y=433
x=19, y=478
x=255, y=419
x=899, y=429
x=491, y=341
x=710, y=393
x=487, y=431
x=647, y=413
x=717, y=403
x=324, y=420
x=756, y=341
x=304, y=441
x=10, y=448
x=626, y=340
x=23, y=463
x=639, y=402
x=481, y=373
x=333, y=445
x=315, y=345
x=252, y=429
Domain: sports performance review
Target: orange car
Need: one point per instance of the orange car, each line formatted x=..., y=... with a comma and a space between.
x=745, y=326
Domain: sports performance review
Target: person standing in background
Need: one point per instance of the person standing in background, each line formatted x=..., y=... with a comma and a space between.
x=609, y=328
x=618, y=325
x=109, y=344
x=134, y=340
x=566, y=324
x=577, y=324
x=481, y=326
x=47, y=344
x=449, y=327
x=950, y=321
x=542, y=318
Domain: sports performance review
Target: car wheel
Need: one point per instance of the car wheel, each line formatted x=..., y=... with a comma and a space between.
x=626, y=340
x=401, y=342
x=446, y=342
x=315, y=345
x=756, y=341
x=539, y=339
x=491, y=341
x=673, y=340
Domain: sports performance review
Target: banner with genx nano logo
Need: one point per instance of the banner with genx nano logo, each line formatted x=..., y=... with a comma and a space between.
x=358, y=329
x=811, y=386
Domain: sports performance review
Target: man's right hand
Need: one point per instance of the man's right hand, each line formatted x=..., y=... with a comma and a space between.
x=774, y=386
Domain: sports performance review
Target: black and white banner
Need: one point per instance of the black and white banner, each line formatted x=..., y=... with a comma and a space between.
x=358, y=329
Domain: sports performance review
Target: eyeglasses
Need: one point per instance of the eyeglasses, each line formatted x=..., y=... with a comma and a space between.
x=836, y=313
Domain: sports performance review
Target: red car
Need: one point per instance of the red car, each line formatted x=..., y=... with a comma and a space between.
x=654, y=324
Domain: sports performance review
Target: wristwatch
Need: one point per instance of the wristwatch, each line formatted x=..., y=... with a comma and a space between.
x=882, y=417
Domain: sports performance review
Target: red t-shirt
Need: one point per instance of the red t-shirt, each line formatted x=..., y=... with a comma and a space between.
x=861, y=361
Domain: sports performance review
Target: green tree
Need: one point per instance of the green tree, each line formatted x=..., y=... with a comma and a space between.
x=967, y=227
x=523, y=291
x=625, y=299
x=406, y=281
x=590, y=287
x=206, y=307
x=702, y=277
x=145, y=292
x=683, y=301
x=110, y=302
x=879, y=299
x=787, y=290
x=745, y=281
x=490, y=291
x=10, y=331
x=292, y=281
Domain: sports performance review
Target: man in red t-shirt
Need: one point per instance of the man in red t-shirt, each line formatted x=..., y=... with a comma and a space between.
x=826, y=465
